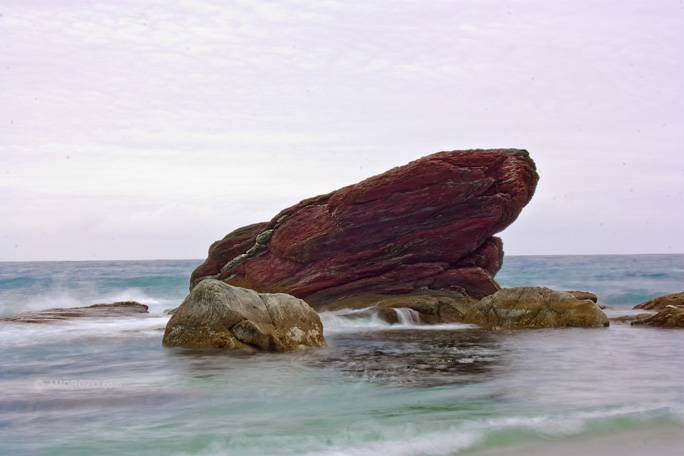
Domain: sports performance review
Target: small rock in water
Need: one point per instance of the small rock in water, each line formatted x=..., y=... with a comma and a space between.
x=117, y=309
x=584, y=295
x=581, y=295
x=633, y=319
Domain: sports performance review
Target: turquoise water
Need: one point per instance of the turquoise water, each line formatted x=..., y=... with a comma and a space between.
x=619, y=280
x=109, y=387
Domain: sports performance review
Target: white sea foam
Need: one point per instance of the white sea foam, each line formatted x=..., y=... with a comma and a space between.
x=430, y=444
x=457, y=439
x=346, y=320
x=67, y=298
x=81, y=329
x=407, y=316
x=486, y=433
x=438, y=443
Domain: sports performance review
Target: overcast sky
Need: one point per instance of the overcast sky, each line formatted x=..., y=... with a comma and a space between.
x=140, y=129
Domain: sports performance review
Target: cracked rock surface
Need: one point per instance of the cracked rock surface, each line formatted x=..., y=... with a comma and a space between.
x=219, y=315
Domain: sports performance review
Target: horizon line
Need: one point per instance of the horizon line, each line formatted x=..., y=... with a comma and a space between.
x=203, y=259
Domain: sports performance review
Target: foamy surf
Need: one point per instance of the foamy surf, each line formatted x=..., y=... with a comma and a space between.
x=358, y=320
x=81, y=330
x=615, y=432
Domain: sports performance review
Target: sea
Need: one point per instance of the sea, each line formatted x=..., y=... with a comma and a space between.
x=108, y=386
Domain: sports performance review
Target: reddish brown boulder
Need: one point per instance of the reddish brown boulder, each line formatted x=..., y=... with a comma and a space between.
x=425, y=225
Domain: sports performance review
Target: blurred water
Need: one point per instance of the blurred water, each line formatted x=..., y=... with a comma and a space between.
x=40, y=285
x=107, y=386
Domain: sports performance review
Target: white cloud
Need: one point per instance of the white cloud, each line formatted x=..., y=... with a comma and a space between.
x=163, y=107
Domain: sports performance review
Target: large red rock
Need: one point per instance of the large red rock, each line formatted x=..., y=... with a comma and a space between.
x=425, y=225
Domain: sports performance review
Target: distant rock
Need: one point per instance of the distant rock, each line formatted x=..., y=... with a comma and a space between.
x=591, y=297
x=218, y=315
x=670, y=317
x=117, y=309
x=581, y=295
x=627, y=319
x=425, y=225
x=428, y=308
x=534, y=307
x=661, y=302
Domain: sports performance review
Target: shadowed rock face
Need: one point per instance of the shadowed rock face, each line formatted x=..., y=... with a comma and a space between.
x=535, y=307
x=425, y=225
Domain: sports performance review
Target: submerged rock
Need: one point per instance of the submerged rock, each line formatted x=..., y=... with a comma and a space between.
x=425, y=225
x=661, y=302
x=117, y=309
x=535, y=307
x=216, y=314
x=670, y=317
x=630, y=319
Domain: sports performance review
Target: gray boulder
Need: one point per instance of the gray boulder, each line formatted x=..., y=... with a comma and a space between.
x=535, y=307
x=219, y=315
